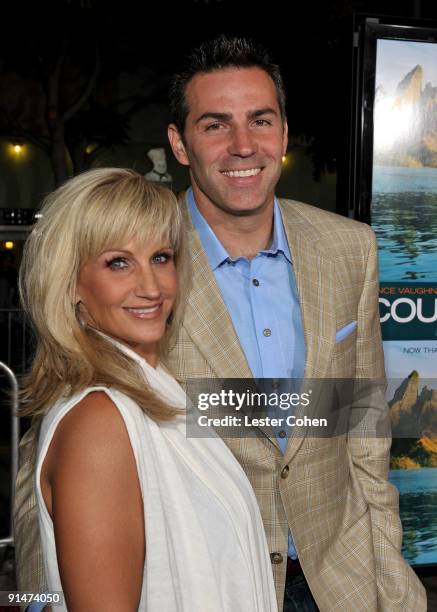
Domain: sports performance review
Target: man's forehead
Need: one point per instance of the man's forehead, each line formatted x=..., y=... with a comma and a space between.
x=250, y=86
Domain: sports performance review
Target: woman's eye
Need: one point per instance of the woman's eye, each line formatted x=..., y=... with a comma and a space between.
x=117, y=263
x=162, y=258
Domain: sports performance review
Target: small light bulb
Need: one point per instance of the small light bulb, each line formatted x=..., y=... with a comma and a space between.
x=9, y=245
x=284, y=159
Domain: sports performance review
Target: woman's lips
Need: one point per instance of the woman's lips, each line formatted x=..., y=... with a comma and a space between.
x=142, y=312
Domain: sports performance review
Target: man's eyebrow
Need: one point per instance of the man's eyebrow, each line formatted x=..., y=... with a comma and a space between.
x=216, y=116
x=261, y=112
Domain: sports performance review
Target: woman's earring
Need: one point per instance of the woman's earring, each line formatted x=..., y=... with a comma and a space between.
x=77, y=312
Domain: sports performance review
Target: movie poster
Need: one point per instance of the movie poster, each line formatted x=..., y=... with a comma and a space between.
x=404, y=217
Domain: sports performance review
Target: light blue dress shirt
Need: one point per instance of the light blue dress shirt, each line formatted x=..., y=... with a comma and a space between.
x=262, y=299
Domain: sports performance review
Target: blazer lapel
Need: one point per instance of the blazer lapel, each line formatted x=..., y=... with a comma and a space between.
x=207, y=319
x=208, y=322
x=315, y=281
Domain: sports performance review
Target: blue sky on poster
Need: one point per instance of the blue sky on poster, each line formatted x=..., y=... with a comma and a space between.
x=395, y=58
x=402, y=357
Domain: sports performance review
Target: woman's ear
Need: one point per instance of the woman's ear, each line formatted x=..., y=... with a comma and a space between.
x=77, y=307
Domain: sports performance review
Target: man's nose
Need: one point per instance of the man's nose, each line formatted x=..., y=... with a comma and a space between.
x=147, y=284
x=243, y=142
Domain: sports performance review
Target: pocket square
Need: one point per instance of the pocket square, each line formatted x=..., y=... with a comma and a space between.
x=345, y=331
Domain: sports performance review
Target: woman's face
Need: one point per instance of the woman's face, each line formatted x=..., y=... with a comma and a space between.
x=128, y=293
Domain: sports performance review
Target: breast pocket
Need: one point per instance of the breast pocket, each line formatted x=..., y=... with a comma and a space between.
x=345, y=331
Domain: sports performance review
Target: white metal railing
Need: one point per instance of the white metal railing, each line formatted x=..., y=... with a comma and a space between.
x=15, y=339
x=15, y=435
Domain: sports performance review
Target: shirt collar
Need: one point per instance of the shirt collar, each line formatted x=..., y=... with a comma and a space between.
x=214, y=249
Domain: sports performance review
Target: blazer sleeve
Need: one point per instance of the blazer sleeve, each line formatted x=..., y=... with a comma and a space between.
x=29, y=562
x=399, y=588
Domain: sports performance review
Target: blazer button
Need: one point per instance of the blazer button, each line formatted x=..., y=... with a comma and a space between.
x=284, y=472
x=276, y=558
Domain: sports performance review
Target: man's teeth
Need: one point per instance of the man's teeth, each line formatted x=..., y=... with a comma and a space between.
x=143, y=310
x=242, y=173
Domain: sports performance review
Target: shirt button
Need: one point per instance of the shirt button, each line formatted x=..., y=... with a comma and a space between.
x=284, y=472
x=276, y=558
x=255, y=282
x=282, y=433
x=267, y=332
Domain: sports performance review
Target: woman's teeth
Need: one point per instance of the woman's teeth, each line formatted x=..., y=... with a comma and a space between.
x=143, y=310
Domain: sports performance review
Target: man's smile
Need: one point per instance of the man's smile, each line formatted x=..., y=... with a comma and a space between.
x=241, y=173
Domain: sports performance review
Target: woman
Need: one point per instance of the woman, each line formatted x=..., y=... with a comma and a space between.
x=133, y=514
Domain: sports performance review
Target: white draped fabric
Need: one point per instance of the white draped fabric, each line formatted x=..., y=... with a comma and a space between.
x=206, y=548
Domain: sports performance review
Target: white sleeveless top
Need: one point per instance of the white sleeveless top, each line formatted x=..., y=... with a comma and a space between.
x=206, y=547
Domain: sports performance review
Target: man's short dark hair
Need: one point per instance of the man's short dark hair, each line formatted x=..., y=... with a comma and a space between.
x=218, y=54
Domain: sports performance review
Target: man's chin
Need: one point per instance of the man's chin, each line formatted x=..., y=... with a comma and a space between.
x=237, y=203
x=244, y=212
x=246, y=208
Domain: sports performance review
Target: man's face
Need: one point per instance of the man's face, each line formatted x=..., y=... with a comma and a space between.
x=234, y=140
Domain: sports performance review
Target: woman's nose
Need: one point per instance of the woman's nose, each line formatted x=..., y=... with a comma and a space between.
x=147, y=284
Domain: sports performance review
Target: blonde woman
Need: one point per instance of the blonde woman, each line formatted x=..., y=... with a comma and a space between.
x=133, y=515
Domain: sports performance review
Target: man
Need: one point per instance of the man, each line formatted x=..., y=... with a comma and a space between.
x=279, y=290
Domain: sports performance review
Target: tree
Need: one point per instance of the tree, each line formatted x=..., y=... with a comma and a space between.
x=59, y=89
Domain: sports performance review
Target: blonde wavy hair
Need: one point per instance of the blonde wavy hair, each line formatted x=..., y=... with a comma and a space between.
x=99, y=209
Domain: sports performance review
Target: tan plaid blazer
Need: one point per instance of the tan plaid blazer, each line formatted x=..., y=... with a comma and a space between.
x=331, y=492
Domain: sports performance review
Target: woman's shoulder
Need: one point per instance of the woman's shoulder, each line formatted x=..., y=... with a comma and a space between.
x=92, y=417
x=92, y=412
x=92, y=434
x=88, y=407
x=94, y=399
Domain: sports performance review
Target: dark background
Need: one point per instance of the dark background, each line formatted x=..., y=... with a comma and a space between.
x=310, y=40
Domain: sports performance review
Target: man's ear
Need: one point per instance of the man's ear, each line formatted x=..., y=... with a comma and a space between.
x=177, y=145
x=285, y=138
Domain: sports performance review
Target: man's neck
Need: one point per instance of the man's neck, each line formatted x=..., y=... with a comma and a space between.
x=241, y=235
x=244, y=238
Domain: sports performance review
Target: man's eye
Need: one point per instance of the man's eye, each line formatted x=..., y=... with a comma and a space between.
x=262, y=122
x=117, y=263
x=213, y=126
